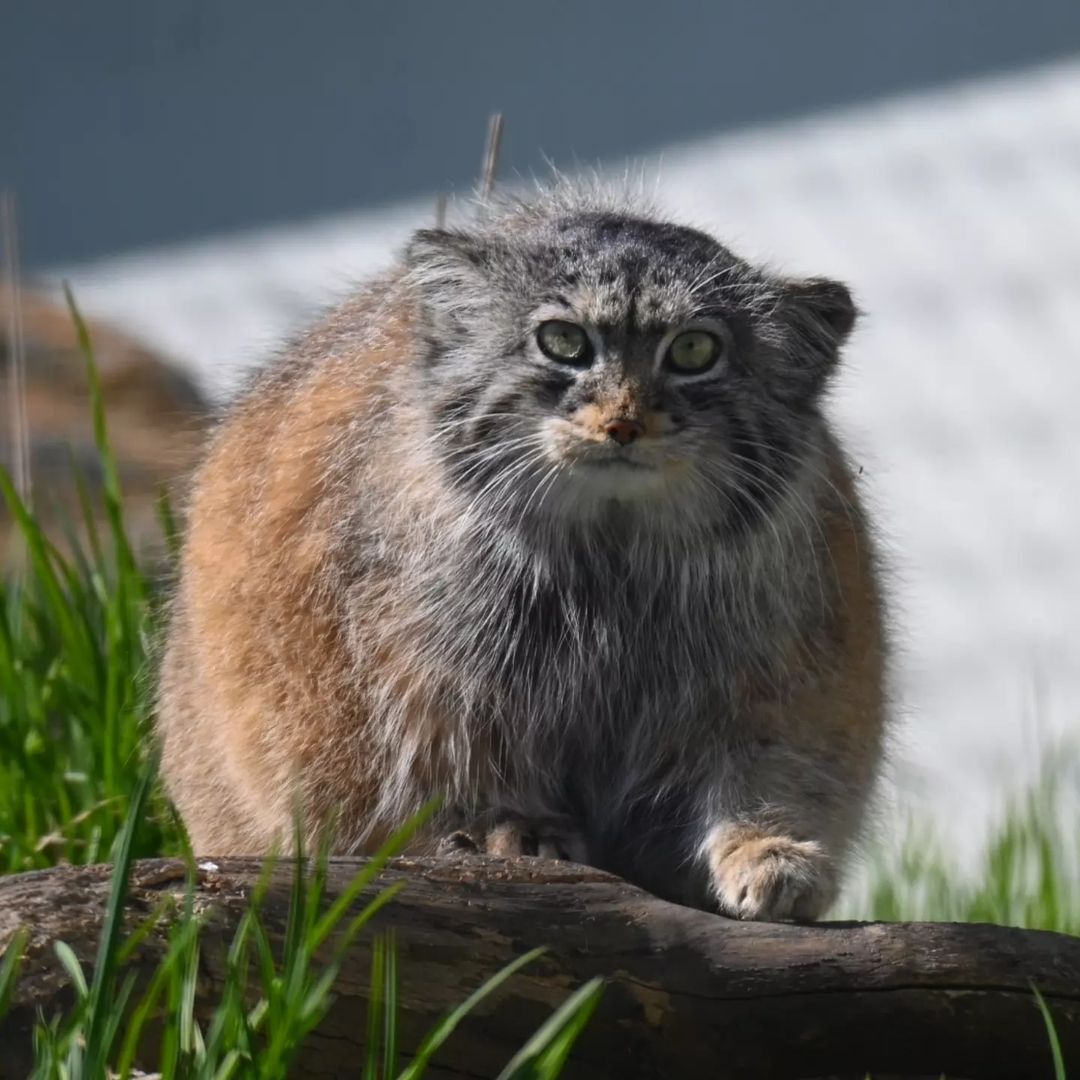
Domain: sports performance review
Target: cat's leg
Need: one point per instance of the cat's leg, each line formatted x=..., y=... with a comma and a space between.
x=776, y=828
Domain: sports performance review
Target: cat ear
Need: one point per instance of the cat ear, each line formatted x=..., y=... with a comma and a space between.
x=817, y=315
x=450, y=269
x=439, y=249
x=445, y=258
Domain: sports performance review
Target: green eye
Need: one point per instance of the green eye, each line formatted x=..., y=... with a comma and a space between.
x=692, y=352
x=564, y=341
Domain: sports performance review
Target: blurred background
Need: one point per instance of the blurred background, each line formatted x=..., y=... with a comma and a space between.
x=207, y=175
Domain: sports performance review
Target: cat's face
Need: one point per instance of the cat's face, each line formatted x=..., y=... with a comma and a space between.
x=581, y=360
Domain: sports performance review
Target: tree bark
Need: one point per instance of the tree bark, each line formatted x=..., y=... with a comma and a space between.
x=690, y=994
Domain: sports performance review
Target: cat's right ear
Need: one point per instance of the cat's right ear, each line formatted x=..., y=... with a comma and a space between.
x=447, y=258
x=450, y=270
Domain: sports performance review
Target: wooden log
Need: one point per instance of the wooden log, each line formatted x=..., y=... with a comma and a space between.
x=690, y=994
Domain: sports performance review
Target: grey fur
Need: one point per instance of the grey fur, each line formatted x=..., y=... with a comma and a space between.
x=589, y=616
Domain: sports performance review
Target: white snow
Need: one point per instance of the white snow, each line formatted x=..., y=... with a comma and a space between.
x=955, y=216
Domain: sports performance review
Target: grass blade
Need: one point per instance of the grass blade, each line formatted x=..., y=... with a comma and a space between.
x=1051, y=1034
x=445, y=1028
x=71, y=965
x=10, y=963
x=101, y=991
x=375, y=1010
x=390, y=999
x=545, y=1054
x=392, y=847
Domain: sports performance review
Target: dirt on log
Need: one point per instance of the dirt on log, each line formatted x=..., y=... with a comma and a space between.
x=689, y=994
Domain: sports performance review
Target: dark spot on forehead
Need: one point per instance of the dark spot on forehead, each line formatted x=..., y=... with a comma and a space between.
x=634, y=272
x=640, y=259
x=633, y=238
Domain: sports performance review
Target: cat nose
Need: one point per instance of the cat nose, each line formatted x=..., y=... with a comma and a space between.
x=624, y=431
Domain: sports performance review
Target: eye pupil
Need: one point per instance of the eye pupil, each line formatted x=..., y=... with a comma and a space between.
x=564, y=341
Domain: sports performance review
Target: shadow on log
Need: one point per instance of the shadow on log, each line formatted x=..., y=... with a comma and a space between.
x=689, y=995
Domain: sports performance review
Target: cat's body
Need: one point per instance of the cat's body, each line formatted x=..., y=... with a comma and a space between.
x=604, y=606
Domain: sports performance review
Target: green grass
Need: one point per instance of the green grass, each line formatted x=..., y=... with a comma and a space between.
x=75, y=633
x=272, y=995
x=1027, y=872
x=76, y=627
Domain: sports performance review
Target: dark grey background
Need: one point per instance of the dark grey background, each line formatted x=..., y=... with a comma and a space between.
x=126, y=123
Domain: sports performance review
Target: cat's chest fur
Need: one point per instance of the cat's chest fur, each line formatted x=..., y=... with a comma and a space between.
x=581, y=671
x=603, y=649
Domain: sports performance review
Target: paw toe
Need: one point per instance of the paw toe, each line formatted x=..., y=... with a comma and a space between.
x=458, y=843
x=548, y=838
x=772, y=878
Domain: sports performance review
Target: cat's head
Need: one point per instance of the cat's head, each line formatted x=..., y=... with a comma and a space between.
x=578, y=357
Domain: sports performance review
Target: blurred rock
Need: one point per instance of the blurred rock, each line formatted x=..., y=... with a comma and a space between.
x=156, y=419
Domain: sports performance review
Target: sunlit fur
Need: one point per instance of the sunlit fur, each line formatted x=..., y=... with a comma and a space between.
x=417, y=564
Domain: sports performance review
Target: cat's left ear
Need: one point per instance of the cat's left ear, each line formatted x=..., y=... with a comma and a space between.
x=817, y=315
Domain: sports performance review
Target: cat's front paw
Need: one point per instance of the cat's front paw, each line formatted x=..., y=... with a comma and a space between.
x=549, y=837
x=769, y=878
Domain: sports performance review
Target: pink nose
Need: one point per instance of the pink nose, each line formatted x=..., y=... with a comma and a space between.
x=623, y=431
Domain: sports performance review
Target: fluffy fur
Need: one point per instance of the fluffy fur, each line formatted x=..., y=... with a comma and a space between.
x=418, y=564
